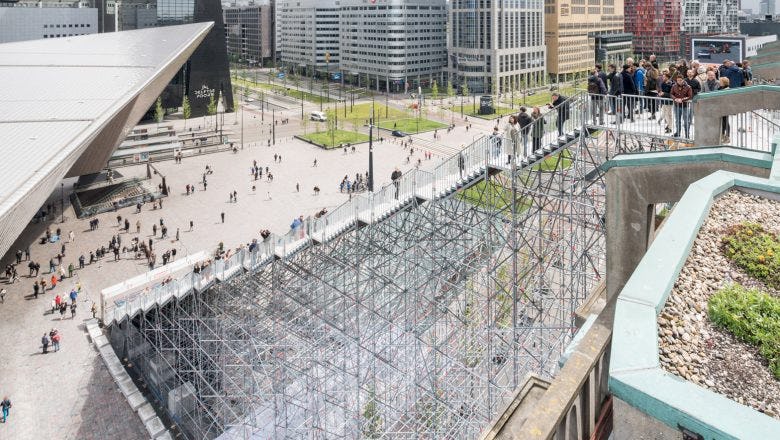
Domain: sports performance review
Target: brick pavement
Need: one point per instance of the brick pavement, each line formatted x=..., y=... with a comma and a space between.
x=69, y=394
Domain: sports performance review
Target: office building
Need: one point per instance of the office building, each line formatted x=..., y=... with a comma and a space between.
x=249, y=33
x=308, y=34
x=570, y=33
x=22, y=21
x=613, y=47
x=496, y=46
x=395, y=44
x=206, y=73
x=656, y=27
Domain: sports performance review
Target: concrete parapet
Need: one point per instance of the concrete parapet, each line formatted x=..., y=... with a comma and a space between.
x=710, y=108
x=649, y=396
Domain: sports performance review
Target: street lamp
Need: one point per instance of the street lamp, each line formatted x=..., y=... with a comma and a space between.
x=371, y=151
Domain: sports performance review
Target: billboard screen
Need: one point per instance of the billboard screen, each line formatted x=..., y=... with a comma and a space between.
x=715, y=51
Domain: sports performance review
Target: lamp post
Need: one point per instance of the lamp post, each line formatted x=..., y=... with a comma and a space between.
x=273, y=125
x=371, y=151
x=62, y=202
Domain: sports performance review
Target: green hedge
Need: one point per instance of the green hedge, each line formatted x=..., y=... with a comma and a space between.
x=752, y=316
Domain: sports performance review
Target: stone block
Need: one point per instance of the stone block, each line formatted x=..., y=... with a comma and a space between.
x=146, y=412
x=154, y=426
x=136, y=400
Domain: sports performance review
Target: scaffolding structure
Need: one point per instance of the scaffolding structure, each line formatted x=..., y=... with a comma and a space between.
x=419, y=326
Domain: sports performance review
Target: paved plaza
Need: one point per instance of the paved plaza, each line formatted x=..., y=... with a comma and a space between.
x=69, y=394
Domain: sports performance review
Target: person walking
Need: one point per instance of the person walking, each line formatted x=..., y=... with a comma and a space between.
x=94, y=310
x=537, y=131
x=725, y=128
x=73, y=310
x=562, y=107
x=192, y=225
x=665, y=92
x=524, y=125
x=5, y=405
x=63, y=309
x=45, y=343
x=53, y=281
x=55, y=340
x=71, y=236
x=177, y=234
x=596, y=90
x=138, y=226
x=222, y=216
x=512, y=132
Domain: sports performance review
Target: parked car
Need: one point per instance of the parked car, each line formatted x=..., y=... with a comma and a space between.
x=319, y=117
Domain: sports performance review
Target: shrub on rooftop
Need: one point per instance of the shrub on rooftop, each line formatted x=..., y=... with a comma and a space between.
x=755, y=250
x=751, y=316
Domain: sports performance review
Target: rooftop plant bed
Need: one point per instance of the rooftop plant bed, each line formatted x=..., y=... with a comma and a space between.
x=720, y=326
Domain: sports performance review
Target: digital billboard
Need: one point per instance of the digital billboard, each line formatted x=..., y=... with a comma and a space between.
x=715, y=51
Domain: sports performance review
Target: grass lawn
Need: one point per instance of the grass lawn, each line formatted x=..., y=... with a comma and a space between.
x=471, y=110
x=310, y=97
x=409, y=125
x=325, y=139
x=549, y=163
x=541, y=98
x=492, y=195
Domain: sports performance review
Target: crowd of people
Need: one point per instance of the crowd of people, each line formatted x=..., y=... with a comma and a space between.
x=635, y=88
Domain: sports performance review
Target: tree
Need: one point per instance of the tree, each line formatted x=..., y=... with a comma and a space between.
x=465, y=89
x=211, y=109
x=435, y=90
x=305, y=124
x=450, y=89
x=373, y=421
x=159, y=112
x=186, y=110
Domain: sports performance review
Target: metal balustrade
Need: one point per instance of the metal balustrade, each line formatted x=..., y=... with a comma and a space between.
x=633, y=115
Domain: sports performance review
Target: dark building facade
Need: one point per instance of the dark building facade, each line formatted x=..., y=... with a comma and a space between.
x=206, y=73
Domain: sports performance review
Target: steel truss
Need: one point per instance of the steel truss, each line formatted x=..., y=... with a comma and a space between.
x=418, y=326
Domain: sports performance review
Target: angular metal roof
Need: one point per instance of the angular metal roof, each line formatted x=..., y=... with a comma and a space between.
x=67, y=103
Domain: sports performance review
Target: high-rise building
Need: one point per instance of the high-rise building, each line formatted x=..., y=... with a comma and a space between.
x=249, y=33
x=655, y=25
x=707, y=17
x=394, y=44
x=308, y=34
x=206, y=73
x=496, y=46
x=767, y=7
x=570, y=32
x=34, y=20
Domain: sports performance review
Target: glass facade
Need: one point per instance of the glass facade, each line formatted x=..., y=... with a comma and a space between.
x=207, y=72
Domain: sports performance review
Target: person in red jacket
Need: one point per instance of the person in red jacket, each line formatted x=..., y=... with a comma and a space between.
x=682, y=95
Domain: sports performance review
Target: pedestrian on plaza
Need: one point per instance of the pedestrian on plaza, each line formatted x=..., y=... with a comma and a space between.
x=94, y=310
x=222, y=215
x=73, y=310
x=71, y=236
x=297, y=187
x=154, y=229
x=42, y=282
x=70, y=270
x=127, y=226
x=192, y=225
x=63, y=309
x=235, y=196
x=5, y=405
x=315, y=163
x=53, y=282
x=55, y=335
x=51, y=265
x=177, y=234
x=73, y=295
x=36, y=288
x=45, y=343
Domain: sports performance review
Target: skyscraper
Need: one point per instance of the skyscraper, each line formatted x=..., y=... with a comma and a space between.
x=707, y=17
x=496, y=46
x=655, y=25
x=394, y=44
x=249, y=32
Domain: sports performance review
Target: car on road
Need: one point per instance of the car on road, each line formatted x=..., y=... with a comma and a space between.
x=318, y=116
x=398, y=133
